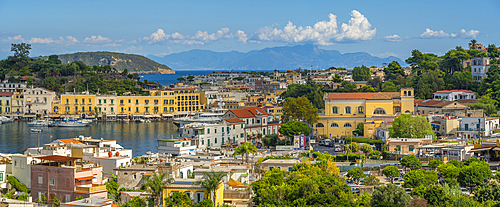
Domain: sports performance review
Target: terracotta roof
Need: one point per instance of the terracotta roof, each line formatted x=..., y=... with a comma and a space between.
x=179, y=89
x=466, y=101
x=234, y=120
x=70, y=141
x=379, y=95
x=6, y=94
x=248, y=112
x=434, y=103
x=58, y=158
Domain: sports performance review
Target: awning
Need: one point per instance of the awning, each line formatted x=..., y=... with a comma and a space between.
x=85, y=178
x=156, y=116
x=148, y=116
x=169, y=115
x=481, y=149
x=233, y=182
x=496, y=149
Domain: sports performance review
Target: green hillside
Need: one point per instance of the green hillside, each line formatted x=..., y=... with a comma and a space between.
x=120, y=61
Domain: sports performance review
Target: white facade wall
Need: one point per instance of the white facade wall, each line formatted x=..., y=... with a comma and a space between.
x=21, y=168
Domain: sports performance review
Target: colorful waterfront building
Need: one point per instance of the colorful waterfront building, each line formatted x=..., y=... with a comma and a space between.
x=344, y=111
x=78, y=105
x=5, y=103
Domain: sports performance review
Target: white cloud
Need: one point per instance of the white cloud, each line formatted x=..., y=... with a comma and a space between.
x=441, y=34
x=466, y=34
x=15, y=38
x=199, y=38
x=393, y=38
x=241, y=36
x=322, y=33
x=433, y=34
x=96, y=39
x=71, y=39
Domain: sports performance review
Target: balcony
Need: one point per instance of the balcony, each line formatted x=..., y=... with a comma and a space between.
x=92, y=189
x=470, y=129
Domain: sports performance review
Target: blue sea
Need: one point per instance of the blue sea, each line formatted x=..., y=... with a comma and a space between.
x=167, y=79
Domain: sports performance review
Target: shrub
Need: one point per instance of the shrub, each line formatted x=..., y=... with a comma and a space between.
x=17, y=185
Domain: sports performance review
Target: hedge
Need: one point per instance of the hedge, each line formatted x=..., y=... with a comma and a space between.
x=363, y=140
x=352, y=157
x=17, y=185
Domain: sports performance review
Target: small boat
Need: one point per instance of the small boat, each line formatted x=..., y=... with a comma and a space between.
x=39, y=123
x=36, y=130
x=5, y=119
x=139, y=121
x=72, y=124
x=126, y=121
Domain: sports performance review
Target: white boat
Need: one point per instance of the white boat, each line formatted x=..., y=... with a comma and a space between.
x=5, y=119
x=72, y=124
x=126, y=121
x=39, y=123
x=36, y=130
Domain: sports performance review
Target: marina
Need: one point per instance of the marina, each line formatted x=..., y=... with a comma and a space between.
x=15, y=137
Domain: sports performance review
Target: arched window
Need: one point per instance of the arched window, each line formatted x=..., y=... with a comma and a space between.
x=379, y=111
x=347, y=125
x=347, y=109
x=405, y=93
x=407, y=111
x=409, y=93
x=334, y=125
x=335, y=110
x=320, y=125
x=361, y=110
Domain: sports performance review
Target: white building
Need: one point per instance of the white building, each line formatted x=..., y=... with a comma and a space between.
x=106, y=106
x=454, y=95
x=38, y=101
x=474, y=127
x=21, y=168
x=175, y=147
x=230, y=132
x=11, y=87
x=479, y=67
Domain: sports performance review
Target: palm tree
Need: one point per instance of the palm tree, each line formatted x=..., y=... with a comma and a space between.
x=244, y=149
x=212, y=182
x=473, y=43
x=155, y=185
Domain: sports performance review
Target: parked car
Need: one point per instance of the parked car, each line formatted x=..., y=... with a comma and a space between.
x=396, y=179
x=367, y=173
x=402, y=172
x=408, y=191
x=397, y=183
x=355, y=188
x=321, y=142
x=465, y=191
x=337, y=148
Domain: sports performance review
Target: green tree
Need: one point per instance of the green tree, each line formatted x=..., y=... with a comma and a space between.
x=135, y=202
x=435, y=196
x=355, y=173
x=435, y=163
x=212, y=182
x=408, y=126
x=362, y=73
x=411, y=162
x=299, y=109
x=245, y=149
x=270, y=140
x=178, y=199
x=389, y=86
x=393, y=70
x=21, y=50
x=391, y=172
x=112, y=188
x=390, y=194
x=453, y=59
x=293, y=128
x=312, y=91
x=155, y=184
x=360, y=129
x=415, y=178
x=474, y=174
x=366, y=148
x=376, y=83
x=371, y=181
x=204, y=203
x=448, y=170
x=487, y=192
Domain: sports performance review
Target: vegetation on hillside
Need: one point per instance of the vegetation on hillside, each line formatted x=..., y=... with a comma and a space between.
x=55, y=75
x=120, y=61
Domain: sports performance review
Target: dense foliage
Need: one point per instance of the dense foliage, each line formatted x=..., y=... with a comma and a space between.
x=408, y=126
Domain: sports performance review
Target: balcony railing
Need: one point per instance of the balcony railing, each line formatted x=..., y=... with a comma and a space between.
x=91, y=189
x=470, y=129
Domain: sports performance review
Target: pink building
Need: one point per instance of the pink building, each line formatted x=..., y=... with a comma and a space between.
x=63, y=178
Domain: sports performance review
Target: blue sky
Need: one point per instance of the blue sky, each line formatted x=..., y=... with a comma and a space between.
x=381, y=28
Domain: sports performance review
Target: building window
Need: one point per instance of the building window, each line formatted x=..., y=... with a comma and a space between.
x=1, y=176
x=135, y=176
x=40, y=180
x=397, y=109
x=334, y=125
x=52, y=181
x=361, y=110
x=379, y=111
x=271, y=168
x=68, y=198
x=348, y=110
x=347, y=125
x=335, y=110
x=411, y=148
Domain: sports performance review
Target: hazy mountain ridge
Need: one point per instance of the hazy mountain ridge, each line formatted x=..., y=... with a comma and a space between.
x=288, y=57
x=131, y=62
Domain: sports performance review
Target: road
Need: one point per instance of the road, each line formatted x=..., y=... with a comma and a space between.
x=330, y=150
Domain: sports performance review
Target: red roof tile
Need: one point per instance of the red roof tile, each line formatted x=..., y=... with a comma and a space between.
x=6, y=94
x=70, y=141
x=58, y=158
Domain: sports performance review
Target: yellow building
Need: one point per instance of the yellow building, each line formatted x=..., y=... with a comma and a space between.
x=5, y=103
x=181, y=100
x=18, y=103
x=344, y=111
x=77, y=105
x=194, y=191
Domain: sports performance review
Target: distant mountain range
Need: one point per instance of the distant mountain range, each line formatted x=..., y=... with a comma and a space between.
x=281, y=58
x=120, y=61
